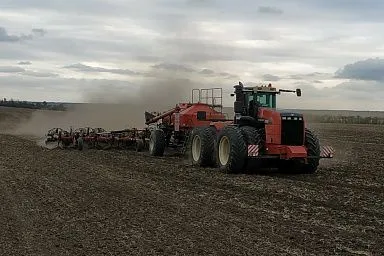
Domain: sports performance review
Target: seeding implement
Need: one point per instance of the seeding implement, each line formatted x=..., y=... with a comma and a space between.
x=98, y=138
x=65, y=139
x=257, y=136
x=172, y=129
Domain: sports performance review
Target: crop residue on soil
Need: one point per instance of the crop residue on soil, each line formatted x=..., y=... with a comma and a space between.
x=121, y=202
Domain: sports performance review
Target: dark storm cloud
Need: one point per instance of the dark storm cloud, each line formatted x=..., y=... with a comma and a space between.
x=85, y=68
x=369, y=69
x=6, y=37
x=269, y=10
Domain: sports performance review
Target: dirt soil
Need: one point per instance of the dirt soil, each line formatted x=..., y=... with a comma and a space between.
x=66, y=202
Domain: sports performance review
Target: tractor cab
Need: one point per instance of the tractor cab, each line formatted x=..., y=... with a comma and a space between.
x=263, y=96
x=250, y=99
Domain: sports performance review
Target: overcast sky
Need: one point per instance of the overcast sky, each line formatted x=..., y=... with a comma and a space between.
x=94, y=50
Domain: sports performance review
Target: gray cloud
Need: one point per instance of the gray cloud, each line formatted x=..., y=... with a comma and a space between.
x=24, y=72
x=311, y=76
x=173, y=67
x=206, y=71
x=269, y=10
x=5, y=37
x=24, y=63
x=228, y=75
x=39, y=74
x=39, y=31
x=85, y=68
x=346, y=96
x=199, y=40
x=271, y=78
x=10, y=69
x=183, y=68
x=369, y=69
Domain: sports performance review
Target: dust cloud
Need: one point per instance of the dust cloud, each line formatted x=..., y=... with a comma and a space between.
x=121, y=105
x=112, y=108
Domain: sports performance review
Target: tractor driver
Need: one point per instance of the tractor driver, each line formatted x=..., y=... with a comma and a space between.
x=254, y=107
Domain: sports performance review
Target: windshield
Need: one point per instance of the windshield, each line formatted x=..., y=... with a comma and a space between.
x=267, y=100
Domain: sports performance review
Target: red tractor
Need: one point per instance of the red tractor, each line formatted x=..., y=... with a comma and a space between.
x=257, y=136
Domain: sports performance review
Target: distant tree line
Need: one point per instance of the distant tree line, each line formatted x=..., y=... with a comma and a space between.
x=31, y=105
x=345, y=119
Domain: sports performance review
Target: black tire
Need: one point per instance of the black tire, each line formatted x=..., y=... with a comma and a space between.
x=202, y=149
x=139, y=145
x=157, y=143
x=253, y=136
x=60, y=144
x=231, y=150
x=313, y=148
x=80, y=143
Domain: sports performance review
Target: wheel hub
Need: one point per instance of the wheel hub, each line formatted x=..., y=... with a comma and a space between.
x=224, y=150
x=196, y=148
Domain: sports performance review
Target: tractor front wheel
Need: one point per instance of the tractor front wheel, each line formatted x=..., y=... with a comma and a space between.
x=313, y=149
x=253, y=136
x=157, y=143
x=231, y=149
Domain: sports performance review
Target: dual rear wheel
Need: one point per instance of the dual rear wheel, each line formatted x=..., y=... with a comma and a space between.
x=226, y=150
x=202, y=147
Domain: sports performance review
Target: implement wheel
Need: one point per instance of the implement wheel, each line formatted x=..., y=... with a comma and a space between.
x=139, y=145
x=80, y=143
x=157, y=143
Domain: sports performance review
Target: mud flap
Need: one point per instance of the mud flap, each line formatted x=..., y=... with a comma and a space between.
x=253, y=150
x=327, y=152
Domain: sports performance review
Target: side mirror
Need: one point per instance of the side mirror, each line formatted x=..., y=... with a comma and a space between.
x=298, y=92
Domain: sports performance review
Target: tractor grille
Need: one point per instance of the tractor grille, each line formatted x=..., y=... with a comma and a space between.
x=292, y=129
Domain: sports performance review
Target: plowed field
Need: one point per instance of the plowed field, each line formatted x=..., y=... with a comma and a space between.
x=66, y=202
